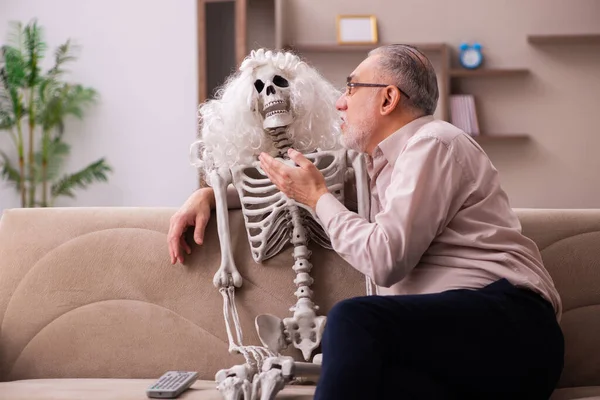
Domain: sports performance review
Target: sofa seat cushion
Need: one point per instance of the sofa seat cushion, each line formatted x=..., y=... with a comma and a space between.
x=577, y=393
x=119, y=389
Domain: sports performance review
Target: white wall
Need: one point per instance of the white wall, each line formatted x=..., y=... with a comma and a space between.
x=141, y=56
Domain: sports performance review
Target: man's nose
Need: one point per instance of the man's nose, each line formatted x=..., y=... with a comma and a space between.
x=341, y=103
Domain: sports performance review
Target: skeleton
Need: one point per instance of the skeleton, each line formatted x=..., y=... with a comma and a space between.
x=276, y=113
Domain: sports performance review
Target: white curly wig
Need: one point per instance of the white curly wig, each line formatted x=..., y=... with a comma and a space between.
x=231, y=127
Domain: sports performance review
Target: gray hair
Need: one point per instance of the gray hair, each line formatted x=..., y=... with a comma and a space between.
x=412, y=72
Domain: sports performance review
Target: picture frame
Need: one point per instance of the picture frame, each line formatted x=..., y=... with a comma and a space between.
x=356, y=29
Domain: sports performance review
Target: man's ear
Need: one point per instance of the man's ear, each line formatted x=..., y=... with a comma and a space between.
x=390, y=100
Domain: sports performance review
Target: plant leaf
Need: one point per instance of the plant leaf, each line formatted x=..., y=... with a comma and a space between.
x=64, y=53
x=12, y=78
x=77, y=97
x=35, y=49
x=8, y=172
x=95, y=172
x=6, y=120
x=57, y=152
x=13, y=71
x=61, y=100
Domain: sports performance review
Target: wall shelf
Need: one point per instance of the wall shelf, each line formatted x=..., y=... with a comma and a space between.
x=565, y=39
x=332, y=50
x=340, y=48
x=488, y=72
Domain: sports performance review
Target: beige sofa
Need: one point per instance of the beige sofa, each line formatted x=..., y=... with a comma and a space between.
x=91, y=307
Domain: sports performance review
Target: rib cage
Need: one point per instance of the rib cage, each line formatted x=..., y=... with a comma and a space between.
x=268, y=222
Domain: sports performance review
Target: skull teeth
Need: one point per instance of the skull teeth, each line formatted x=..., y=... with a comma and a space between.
x=271, y=113
x=274, y=103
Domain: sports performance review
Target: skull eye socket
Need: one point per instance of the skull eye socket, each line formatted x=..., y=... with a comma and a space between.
x=280, y=81
x=259, y=85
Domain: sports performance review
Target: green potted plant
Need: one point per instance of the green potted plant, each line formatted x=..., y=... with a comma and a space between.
x=34, y=107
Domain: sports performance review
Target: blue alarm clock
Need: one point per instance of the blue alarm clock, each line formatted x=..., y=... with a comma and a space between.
x=470, y=56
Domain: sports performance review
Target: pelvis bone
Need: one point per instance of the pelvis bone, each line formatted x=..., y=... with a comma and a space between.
x=304, y=329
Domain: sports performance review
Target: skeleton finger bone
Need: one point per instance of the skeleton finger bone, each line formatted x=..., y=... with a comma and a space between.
x=318, y=359
x=291, y=369
x=267, y=384
x=235, y=382
x=283, y=363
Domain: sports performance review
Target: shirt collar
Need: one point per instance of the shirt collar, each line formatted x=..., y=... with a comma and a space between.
x=391, y=146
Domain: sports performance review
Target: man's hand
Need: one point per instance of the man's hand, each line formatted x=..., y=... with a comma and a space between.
x=304, y=183
x=194, y=212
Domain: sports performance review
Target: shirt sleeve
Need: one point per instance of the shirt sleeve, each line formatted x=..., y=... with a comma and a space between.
x=423, y=189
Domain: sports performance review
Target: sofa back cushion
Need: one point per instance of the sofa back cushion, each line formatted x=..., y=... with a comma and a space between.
x=91, y=292
x=569, y=241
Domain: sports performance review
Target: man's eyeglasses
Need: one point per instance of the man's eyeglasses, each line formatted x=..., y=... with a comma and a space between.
x=350, y=85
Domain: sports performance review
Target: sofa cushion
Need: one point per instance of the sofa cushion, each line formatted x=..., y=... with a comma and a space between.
x=577, y=393
x=568, y=241
x=119, y=389
x=134, y=389
x=81, y=284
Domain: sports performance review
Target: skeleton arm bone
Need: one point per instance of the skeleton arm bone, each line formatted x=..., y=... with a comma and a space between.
x=362, y=183
x=227, y=273
x=361, y=178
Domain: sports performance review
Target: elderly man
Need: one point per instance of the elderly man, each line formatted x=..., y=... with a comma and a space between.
x=464, y=307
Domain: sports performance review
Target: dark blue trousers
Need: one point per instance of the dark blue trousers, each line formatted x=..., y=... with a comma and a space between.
x=498, y=342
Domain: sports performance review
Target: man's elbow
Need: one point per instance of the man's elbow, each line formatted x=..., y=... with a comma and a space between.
x=388, y=276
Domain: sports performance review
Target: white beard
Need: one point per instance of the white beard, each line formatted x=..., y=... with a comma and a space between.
x=357, y=136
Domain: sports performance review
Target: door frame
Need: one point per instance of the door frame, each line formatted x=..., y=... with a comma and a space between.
x=241, y=7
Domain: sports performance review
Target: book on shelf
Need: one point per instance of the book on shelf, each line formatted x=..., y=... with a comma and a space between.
x=463, y=114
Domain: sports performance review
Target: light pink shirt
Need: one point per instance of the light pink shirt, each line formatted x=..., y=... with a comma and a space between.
x=439, y=219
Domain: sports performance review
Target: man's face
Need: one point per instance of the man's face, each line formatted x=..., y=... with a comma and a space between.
x=358, y=107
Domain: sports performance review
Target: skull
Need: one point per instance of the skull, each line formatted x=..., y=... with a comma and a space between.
x=274, y=97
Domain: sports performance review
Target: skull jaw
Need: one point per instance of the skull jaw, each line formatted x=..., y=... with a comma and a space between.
x=278, y=120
